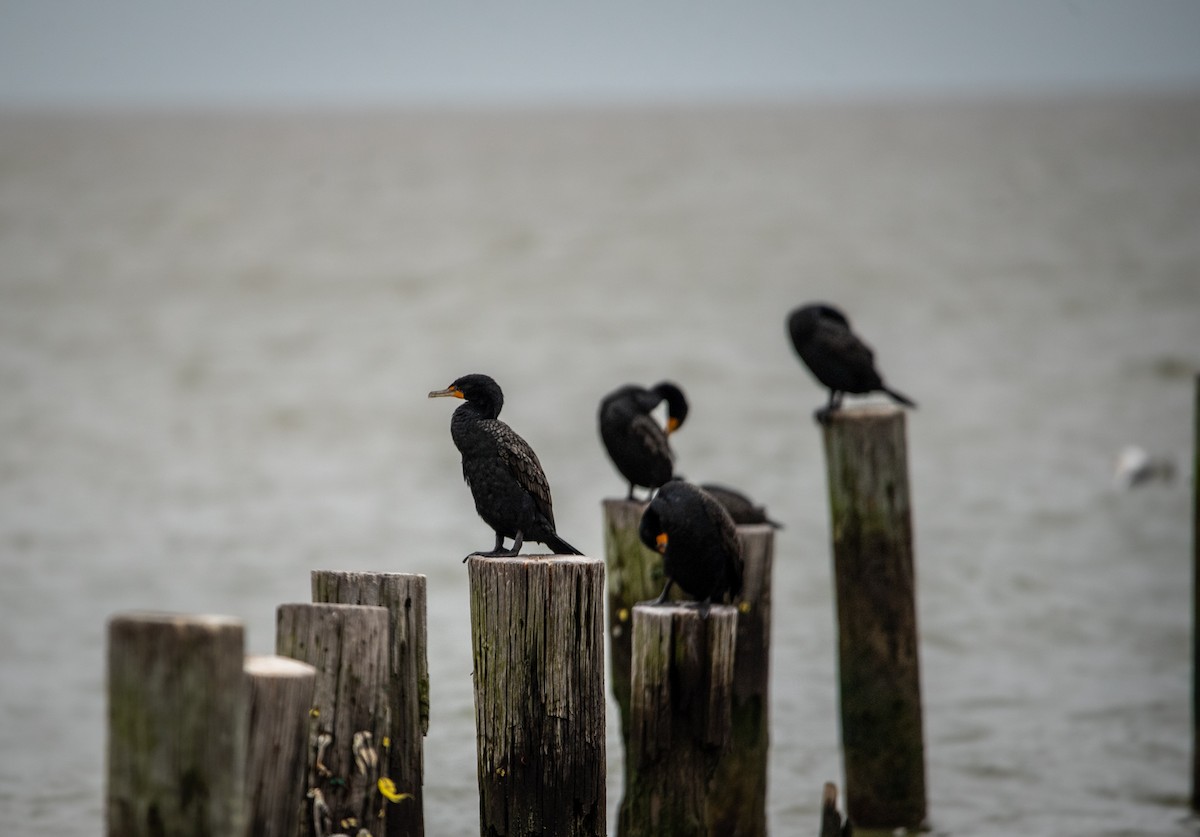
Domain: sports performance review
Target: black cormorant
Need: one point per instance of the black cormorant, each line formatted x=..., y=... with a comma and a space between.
x=635, y=442
x=835, y=355
x=740, y=507
x=504, y=475
x=698, y=541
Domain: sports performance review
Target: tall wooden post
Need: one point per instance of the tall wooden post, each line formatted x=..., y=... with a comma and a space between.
x=280, y=695
x=538, y=639
x=634, y=574
x=176, y=725
x=403, y=751
x=347, y=644
x=1196, y=601
x=681, y=701
x=871, y=524
x=742, y=774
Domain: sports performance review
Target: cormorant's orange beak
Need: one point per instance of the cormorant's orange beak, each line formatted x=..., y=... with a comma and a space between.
x=660, y=542
x=448, y=392
x=672, y=425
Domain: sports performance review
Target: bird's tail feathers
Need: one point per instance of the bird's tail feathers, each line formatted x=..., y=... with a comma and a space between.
x=560, y=547
x=900, y=398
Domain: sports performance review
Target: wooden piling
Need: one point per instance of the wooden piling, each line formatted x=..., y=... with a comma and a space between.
x=279, y=698
x=403, y=752
x=176, y=726
x=347, y=644
x=538, y=641
x=742, y=773
x=879, y=669
x=681, y=725
x=634, y=574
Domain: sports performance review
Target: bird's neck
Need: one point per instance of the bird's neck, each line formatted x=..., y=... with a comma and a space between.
x=474, y=410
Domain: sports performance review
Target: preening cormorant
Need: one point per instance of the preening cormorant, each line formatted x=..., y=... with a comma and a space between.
x=504, y=475
x=740, y=507
x=635, y=442
x=835, y=355
x=697, y=539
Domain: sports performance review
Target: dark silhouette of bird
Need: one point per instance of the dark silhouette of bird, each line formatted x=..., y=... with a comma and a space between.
x=507, y=481
x=698, y=541
x=740, y=507
x=836, y=356
x=635, y=442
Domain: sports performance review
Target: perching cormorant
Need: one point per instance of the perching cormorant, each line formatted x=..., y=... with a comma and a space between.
x=634, y=441
x=699, y=544
x=740, y=507
x=504, y=475
x=835, y=355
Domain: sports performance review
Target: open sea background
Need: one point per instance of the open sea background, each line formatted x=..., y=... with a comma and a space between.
x=217, y=331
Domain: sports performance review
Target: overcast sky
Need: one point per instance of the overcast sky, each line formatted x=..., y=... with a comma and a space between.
x=381, y=51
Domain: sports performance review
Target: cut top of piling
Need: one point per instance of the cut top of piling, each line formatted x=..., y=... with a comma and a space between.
x=181, y=620
x=271, y=665
x=865, y=413
x=537, y=559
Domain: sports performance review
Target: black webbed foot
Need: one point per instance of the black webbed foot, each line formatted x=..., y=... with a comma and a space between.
x=497, y=551
x=825, y=414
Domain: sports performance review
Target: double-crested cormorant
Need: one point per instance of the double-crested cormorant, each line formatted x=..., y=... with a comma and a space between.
x=740, y=507
x=504, y=475
x=634, y=441
x=835, y=355
x=697, y=539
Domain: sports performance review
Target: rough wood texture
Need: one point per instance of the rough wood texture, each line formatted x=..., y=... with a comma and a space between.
x=635, y=574
x=176, y=726
x=681, y=701
x=742, y=773
x=538, y=638
x=879, y=668
x=279, y=698
x=347, y=644
x=403, y=754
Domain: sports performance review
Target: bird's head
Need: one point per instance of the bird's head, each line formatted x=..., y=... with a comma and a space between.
x=651, y=531
x=677, y=405
x=478, y=389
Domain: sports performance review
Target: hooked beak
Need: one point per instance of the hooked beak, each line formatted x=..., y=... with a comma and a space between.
x=660, y=542
x=672, y=425
x=449, y=392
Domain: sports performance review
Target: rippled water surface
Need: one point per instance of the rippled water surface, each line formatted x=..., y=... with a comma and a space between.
x=217, y=332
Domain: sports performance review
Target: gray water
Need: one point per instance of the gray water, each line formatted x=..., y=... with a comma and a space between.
x=217, y=332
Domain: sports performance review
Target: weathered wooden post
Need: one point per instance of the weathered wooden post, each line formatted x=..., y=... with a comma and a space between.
x=176, y=725
x=280, y=695
x=347, y=644
x=403, y=750
x=879, y=668
x=742, y=773
x=634, y=574
x=538, y=638
x=681, y=725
